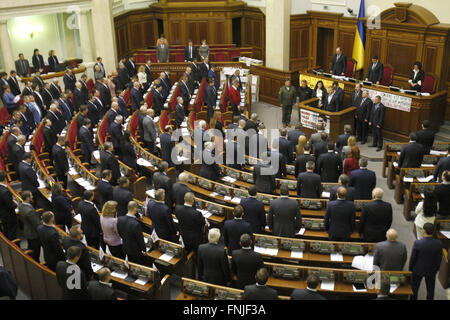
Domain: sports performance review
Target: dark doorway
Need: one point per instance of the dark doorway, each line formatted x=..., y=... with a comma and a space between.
x=236, y=25
x=325, y=50
x=160, y=28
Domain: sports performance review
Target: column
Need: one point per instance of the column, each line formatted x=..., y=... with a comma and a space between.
x=85, y=38
x=105, y=41
x=278, y=20
x=5, y=45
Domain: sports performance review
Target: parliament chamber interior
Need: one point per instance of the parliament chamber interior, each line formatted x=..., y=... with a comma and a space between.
x=224, y=150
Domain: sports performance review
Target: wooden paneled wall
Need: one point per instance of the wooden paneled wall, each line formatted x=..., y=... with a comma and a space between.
x=190, y=20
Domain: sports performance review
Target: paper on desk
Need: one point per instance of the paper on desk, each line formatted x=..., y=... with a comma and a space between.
x=96, y=267
x=398, y=153
x=227, y=198
x=327, y=285
x=236, y=200
x=229, y=179
x=166, y=257
x=395, y=164
x=393, y=288
x=325, y=194
x=272, y=252
x=206, y=214
x=151, y=193
x=302, y=231
x=142, y=282
x=260, y=250
x=406, y=179
x=143, y=163
x=363, y=262
x=446, y=233
x=41, y=184
x=96, y=154
x=437, y=153
x=119, y=275
x=297, y=254
x=336, y=257
x=358, y=290
x=78, y=218
x=213, y=194
x=182, y=159
x=428, y=165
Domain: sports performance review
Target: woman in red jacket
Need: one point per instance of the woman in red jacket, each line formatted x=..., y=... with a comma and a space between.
x=352, y=162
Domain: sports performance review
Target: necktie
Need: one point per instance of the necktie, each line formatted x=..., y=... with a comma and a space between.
x=190, y=52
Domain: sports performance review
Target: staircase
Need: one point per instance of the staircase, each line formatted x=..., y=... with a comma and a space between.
x=444, y=133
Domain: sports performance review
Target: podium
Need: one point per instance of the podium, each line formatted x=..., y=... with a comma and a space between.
x=310, y=116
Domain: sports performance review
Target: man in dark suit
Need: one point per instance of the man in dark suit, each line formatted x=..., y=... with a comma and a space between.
x=46, y=95
x=116, y=134
x=310, y=293
x=425, y=261
x=234, y=229
x=122, y=195
x=130, y=231
x=284, y=215
x=362, y=117
x=210, y=98
x=309, y=183
x=245, y=262
x=185, y=94
x=130, y=64
x=84, y=88
x=124, y=78
x=94, y=110
x=356, y=96
x=179, y=112
x=148, y=71
x=329, y=165
x=343, y=182
x=375, y=71
x=74, y=239
x=331, y=101
x=180, y=189
x=102, y=289
x=60, y=162
x=69, y=80
x=90, y=219
x=27, y=90
x=190, y=52
x=83, y=114
x=167, y=145
x=191, y=223
x=136, y=96
x=363, y=180
x=86, y=138
x=376, y=218
x=285, y=146
x=7, y=209
x=212, y=261
x=342, y=139
x=411, y=154
x=22, y=66
x=339, y=63
x=18, y=151
x=205, y=67
x=104, y=188
x=113, y=112
x=105, y=94
x=158, y=99
x=425, y=137
x=441, y=193
x=55, y=90
x=196, y=75
x=28, y=215
x=100, y=64
x=254, y=212
x=65, y=273
x=259, y=290
x=209, y=168
x=302, y=160
x=162, y=181
x=161, y=216
x=442, y=165
x=11, y=141
x=339, y=218
x=14, y=83
x=109, y=161
x=28, y=175
x=50, y=240
x=321, y=146
x=293, y=136
x=376, y=121
x=265, y=183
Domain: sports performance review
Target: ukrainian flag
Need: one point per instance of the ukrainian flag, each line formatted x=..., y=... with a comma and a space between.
x=360, y=38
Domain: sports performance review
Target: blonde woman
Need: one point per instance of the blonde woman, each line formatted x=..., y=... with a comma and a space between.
x=142, y=78
x=111, y=236
x=300, y=146
x=111, y=84
x=215, y=122
x=351, y=142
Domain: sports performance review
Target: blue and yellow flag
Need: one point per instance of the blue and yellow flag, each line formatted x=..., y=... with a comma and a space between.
x=360, y=38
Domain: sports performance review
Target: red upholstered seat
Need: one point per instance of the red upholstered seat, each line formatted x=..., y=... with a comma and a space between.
x=126, y=97
x=192, y=120
x=140, y=58
x=153, y=58
x=173, y=100
x=429, y=83
x=351, y=67
x=4, y=116
x=163, y=120
x=387, y=75
x=221, y=56
x=2, y=165
x=179, y=57
x=233, y=53
x=90, y=85
x=149, y=99
x=134, y=122
x=103, y=130
x=3, y=145
x=72, y=133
